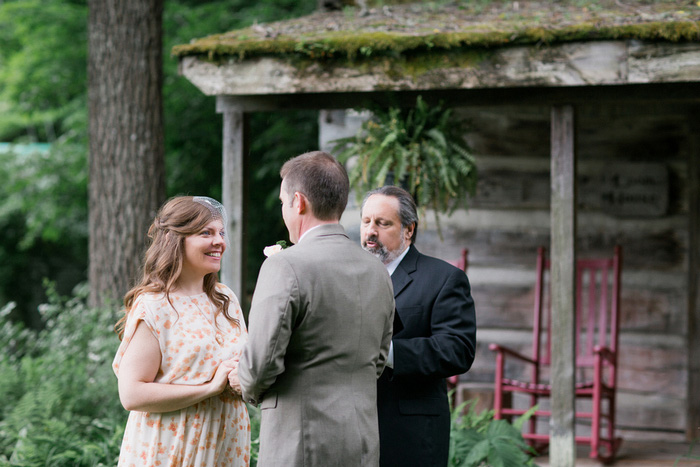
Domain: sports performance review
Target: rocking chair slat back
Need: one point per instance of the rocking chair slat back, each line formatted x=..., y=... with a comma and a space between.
x=597, y=304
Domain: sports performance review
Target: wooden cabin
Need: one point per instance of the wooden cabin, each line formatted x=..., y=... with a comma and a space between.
x=627, y=73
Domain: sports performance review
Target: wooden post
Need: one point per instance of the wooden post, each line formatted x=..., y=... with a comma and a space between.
x=562, y=450
x=693, y=338
x=233, y=198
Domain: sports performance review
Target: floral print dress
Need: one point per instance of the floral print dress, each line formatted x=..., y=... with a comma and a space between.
x=193, y=341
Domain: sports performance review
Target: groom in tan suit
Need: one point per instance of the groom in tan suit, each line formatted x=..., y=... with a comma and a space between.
x=319, y=333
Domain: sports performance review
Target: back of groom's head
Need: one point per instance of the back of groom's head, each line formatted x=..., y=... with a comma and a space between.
x=322, y=179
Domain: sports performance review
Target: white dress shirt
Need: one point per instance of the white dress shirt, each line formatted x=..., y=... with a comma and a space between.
x=312, y=228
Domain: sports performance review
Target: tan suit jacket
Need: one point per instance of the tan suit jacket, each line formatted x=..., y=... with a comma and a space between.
x=319, y=335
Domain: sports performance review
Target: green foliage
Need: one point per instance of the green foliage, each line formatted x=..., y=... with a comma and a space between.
x=50, y=190
x=42, y=67
x=275, y=139
x=422, y=148
x=60, y=405
x=193, y=130
x=43, y=217
x=43, y=195
x=476, y=439
x=254, y=413
x=43, y=98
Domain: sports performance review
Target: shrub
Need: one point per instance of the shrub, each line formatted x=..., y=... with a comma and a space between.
x=255, y=415
x=60, y=405
x=43, y=217
x=479, y=440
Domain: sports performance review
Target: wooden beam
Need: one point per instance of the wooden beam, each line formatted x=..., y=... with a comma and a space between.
x=578, y=63
x=693, y=337
x=562, y=450
x=233, y=198
x=683, y=95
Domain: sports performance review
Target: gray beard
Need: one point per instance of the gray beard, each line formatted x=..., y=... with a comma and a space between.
x=384, y=255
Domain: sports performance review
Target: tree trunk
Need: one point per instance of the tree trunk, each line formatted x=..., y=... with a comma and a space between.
x=127, y=169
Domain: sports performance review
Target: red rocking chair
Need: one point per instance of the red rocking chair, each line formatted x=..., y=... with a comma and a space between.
x=462, y=262
x=597, y=325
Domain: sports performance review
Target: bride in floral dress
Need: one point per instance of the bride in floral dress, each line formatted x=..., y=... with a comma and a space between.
x=180, y=336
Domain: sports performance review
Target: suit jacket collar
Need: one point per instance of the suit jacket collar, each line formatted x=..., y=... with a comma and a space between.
x=324, y=230
x=402, y=275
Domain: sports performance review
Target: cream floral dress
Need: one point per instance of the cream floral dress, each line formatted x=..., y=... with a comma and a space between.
x=213, y=432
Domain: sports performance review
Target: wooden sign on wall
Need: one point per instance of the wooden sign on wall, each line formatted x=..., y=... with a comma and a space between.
x=627, y=190
x=620, y=189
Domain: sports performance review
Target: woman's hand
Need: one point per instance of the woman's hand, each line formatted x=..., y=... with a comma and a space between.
x=220, y=380
x=137, y=372
x=233, y=380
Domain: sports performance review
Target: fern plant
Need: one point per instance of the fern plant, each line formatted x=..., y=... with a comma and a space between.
x=60, y=404
x=422, y=148
x=476, y=439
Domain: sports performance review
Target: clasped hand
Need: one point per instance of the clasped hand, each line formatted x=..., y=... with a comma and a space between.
x=230, y=369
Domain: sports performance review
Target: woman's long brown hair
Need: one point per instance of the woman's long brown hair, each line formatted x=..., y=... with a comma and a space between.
x=180, y=217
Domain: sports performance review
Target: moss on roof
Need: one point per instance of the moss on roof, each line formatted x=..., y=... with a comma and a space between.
x=449, y=25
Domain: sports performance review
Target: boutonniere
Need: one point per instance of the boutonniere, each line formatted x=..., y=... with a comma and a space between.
x=276, y=248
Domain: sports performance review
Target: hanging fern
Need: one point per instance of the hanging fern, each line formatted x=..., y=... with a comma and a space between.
x=421, y=149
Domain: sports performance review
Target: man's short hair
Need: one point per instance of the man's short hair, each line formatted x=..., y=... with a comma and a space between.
x=408, y=212
x=322, y=179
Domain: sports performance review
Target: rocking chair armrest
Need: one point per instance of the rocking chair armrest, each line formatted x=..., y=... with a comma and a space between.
x=507, y=351
x=605, y=353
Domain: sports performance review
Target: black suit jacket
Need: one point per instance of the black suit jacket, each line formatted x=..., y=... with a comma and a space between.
x=436, y=339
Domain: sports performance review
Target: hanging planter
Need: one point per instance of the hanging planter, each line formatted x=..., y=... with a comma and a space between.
x=421, y=149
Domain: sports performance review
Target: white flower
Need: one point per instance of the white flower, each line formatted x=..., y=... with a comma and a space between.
x=272, y=249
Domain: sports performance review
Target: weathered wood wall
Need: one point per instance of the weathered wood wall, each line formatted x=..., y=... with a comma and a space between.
x=623, y=151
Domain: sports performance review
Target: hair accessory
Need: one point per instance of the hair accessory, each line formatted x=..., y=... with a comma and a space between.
x=218, y=211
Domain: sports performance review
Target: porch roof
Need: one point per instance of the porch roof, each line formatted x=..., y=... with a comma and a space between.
x=452, y=46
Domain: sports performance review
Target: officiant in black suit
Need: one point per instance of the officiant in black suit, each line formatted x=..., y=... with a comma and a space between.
x=434, y=334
